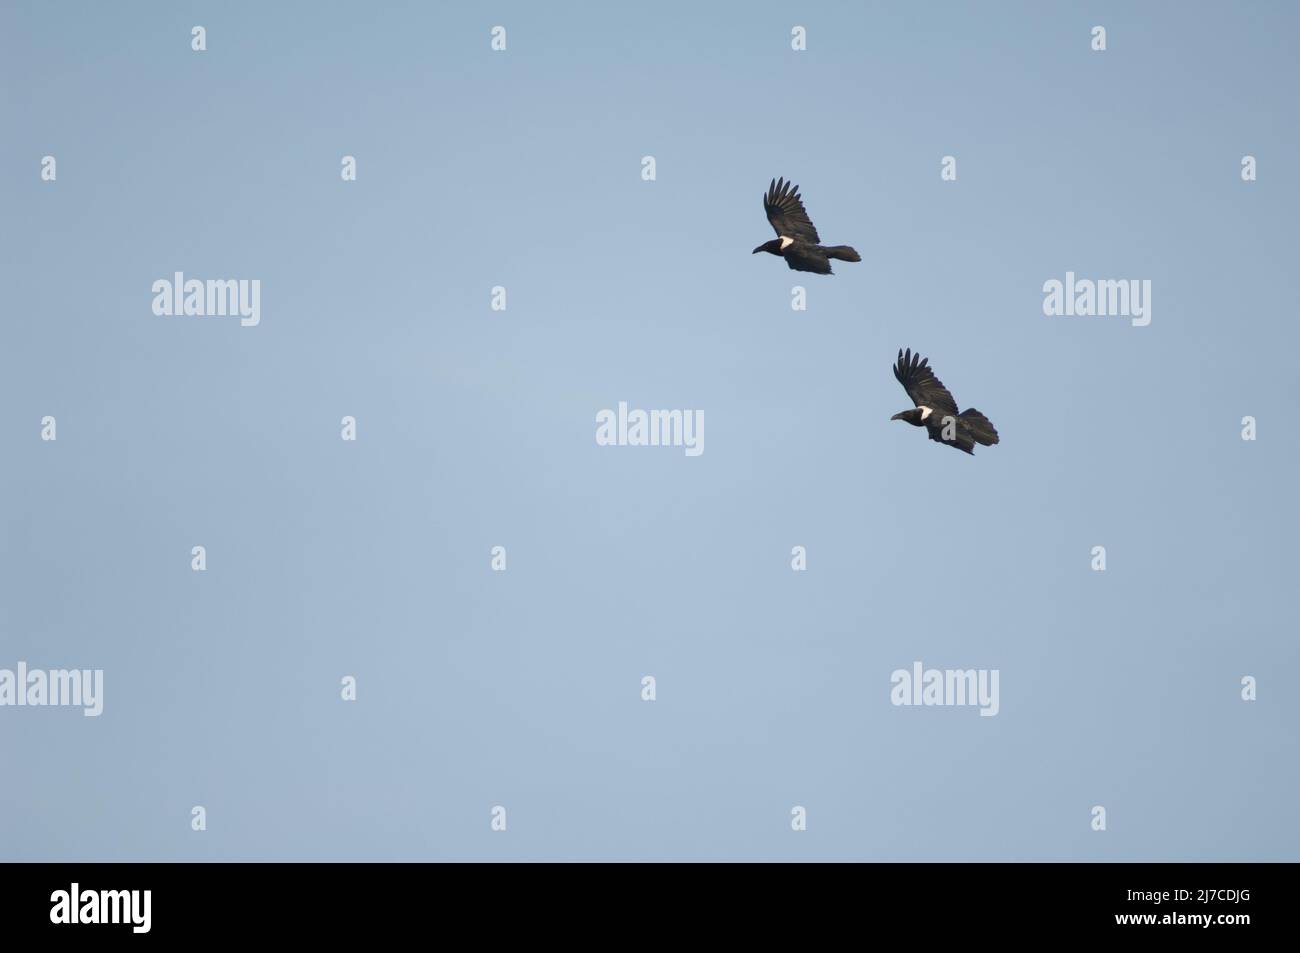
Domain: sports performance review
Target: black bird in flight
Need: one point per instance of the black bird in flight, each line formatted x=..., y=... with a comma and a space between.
x=935, y=409
x=797, y=240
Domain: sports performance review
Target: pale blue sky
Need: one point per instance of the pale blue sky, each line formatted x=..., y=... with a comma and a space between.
x=476, y=427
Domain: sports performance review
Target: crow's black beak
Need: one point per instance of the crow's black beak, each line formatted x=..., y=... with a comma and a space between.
x=896, y=417
x=757, y=250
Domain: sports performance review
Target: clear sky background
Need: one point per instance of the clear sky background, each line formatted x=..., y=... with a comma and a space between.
x=476, y=429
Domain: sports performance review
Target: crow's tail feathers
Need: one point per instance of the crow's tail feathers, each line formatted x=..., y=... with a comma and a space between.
x=979, y=427
x=842, y=253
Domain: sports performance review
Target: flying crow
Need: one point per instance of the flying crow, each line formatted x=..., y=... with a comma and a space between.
x=797, y=241
x=935, y=409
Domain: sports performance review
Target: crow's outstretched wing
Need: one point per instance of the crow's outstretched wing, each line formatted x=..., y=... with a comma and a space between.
x=784, y=208
x=926, y=390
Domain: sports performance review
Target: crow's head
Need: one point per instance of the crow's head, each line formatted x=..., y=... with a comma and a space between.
x=772, y=248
